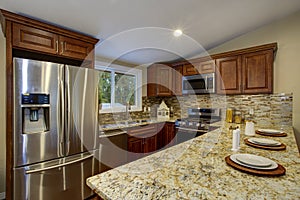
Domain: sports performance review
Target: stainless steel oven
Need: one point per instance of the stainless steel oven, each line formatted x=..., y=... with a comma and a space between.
x=198, y=84
x=197, y=123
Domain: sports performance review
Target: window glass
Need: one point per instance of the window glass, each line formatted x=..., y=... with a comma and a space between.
x=105, y=87
x=125, y=86
x=119, y=85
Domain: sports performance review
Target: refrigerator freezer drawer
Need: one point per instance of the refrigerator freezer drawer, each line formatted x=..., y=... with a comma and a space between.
x=58, y=179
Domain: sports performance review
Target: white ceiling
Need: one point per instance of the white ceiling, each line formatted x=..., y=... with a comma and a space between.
x=140, y=31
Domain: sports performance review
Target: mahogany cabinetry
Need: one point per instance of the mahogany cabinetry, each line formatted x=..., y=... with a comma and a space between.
x=243, y=71
x=168, y=137
x=198, y=66
x=150, y=138
x=41, y=38
x=141, y=141
x=189, y=69
x=43, y=41
x=177, y=80
x=163, y=80
x=229, y=75
x=249, y=73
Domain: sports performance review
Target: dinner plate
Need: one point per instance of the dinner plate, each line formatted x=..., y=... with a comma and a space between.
x=264, y=142
x=273, y=165
x=272, y=131
x=250, y=159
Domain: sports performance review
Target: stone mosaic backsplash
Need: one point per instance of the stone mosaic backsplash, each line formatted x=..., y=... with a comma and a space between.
x=270, y=109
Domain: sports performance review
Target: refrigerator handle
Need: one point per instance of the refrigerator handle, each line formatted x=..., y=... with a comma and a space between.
x=60, y=112
x=68, y=120
x=59, y=165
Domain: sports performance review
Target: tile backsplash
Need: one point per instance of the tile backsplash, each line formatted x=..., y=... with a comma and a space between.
x=270, y=109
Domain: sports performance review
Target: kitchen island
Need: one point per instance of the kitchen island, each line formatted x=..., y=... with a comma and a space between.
x=196, y=169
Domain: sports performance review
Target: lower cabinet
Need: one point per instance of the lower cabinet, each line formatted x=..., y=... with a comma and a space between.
x=168, y=136
x=141, y=141
x=148, y=139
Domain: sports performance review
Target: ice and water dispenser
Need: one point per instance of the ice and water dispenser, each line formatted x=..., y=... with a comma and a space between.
x=35, y=113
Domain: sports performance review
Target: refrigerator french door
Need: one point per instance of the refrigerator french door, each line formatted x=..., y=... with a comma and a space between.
x=55, y=130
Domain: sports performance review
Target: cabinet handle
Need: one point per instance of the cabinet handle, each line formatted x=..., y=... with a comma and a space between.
x=62, y=47
x=56, y=46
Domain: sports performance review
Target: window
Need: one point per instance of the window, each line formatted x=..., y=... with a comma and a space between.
x=119, y=85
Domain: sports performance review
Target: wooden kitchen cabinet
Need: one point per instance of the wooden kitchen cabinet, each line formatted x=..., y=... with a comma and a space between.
x=199, y=66
x=163, y=80
x=27, y=37
x=42, y=41
x=177, y=80
x=249, y=73
x=151, y=81
x=229, y=75
x=169, y=135
x=189, y=70
x=204, y=67
x=141, y=141
x=74, y=48
x=257, y=74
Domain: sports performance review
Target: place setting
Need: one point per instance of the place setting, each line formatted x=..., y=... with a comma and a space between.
x=271, y=132
x=256, y=165
x=264, y=143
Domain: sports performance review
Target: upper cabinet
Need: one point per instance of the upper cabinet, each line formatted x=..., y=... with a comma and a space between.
x=163, y=80
x=188, y=69
x=177, y=80
x=257, y=72
x=229, y=75
x=198, y=66
x=38, y=37
x=34, y=39
x=247, y=73
x=244, y=71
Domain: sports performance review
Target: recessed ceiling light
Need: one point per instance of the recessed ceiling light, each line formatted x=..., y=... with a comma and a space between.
x=177, y=33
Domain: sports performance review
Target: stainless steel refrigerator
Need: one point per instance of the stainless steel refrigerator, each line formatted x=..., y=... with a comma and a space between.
x=55, y=130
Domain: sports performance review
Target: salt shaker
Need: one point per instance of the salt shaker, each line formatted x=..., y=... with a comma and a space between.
x=236, y=139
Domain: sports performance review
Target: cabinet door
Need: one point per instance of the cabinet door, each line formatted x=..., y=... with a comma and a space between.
x=169, y=135
x=151, y=81
x=189, y=69
x=30, y=38
x=164, y=80
x=205, y=67
x=258, y=72
x=74, y=48
x=150, y=144
x=135, y=148
x=229, y=75
x=177, y=80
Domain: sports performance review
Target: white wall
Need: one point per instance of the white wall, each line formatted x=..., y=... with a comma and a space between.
x=2, y=111
x=286, y=32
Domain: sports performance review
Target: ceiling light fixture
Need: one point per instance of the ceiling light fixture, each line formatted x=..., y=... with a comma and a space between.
x=177, y=33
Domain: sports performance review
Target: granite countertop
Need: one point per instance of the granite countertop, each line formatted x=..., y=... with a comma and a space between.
x=132, y=123
x=196, y=169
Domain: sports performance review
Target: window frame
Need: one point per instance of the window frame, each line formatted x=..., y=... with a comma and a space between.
x=113, y=68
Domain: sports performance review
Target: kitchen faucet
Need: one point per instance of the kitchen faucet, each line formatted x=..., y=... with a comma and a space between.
x=127, y=109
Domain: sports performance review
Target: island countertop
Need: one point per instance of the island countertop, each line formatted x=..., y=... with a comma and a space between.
x=196, y=169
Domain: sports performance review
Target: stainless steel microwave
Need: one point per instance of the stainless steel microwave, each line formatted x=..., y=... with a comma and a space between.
x=198, y=84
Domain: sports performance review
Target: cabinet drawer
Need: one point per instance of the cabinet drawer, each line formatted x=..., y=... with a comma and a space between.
x=26, y=37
